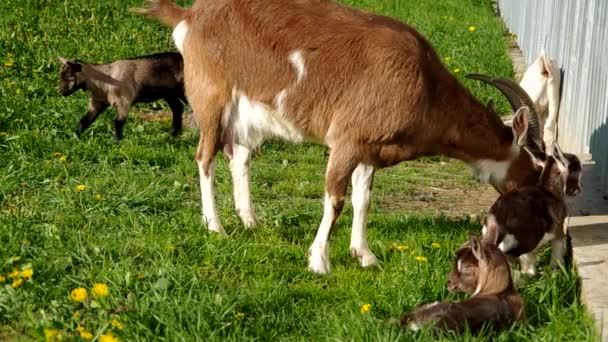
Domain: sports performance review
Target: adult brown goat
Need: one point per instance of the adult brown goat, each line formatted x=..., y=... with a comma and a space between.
x=369, y=87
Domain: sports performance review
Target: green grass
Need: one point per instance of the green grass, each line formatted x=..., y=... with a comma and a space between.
x=168, y=278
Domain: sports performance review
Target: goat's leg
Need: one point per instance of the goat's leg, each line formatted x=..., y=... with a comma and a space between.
x=239, y=166
x=339, y=170
x=95, y=108
x=122, y=111
x=528, y=263
x=557, y=252
x=553, y=84
x=362, y=180
x=177, y=108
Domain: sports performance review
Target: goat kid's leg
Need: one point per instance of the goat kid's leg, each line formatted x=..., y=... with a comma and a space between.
x=557, y=252
x=528, y=263
x=95, y=108
x=338, y=172
x=119, y=121
x=362, y=180
x=239, y=167
x=177, y=108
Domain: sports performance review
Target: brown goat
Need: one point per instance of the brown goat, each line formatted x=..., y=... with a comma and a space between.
x=482, y=270
x=523, y=220
x=369, y=87
x=125, y=82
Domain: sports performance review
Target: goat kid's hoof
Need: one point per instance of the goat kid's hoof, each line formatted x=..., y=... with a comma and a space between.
x=364, y=255
x=249, y=221
x=318, y=261
x=215, y=227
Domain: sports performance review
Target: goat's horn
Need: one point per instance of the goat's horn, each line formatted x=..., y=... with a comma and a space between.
x=517, y=97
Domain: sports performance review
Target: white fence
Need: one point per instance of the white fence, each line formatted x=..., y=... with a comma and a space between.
x=575, y=33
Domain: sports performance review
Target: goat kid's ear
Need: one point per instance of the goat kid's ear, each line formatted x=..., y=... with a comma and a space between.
x=537, y=158
x=76, y=67
x=476, y=247
x=490, y=105
x=520, y=125
x=63, y=60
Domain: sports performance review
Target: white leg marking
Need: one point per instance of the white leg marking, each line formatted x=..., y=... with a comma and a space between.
x=362, y=179
x=483, y=230
x=208, y=199
x=508, y=242
x=239, y=166
x=318, y=259
x=528, y=263
x=179, y=35
x=557, y=253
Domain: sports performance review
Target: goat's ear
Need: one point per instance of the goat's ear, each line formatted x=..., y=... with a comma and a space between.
x=538, y=158
x=490, y=105
x=476, y=247
x=520, y=125
x=63, y=60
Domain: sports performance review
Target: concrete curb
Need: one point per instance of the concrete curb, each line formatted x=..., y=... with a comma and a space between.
x=587, y=225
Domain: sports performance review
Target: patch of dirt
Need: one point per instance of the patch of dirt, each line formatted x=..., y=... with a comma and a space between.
x=437, y=201
x=165, y=116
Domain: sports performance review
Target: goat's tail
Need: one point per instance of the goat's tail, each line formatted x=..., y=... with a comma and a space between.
x=166, y=11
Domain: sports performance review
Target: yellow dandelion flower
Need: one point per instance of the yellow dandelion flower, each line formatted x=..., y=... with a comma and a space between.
x=14, y=274
x=170, y=248
x=79, y=294
x=108, y=338
x=8, y=63
x=402, y=248
x=79, y=328
x=2, y=279
x=17, y=283
x=141, y=276
x=81, y=187
x=86, y=335
x=435, y=245
x=116, y=324
x=57, y=154
x=472, y=28
x=63, y=158
x=100, y=290
x=421, y=259
x=456, y=70
x=239, y=315
x=97, y=197
x=27, y=274
x=365, y=308
x=51, y=334
x=447, y=59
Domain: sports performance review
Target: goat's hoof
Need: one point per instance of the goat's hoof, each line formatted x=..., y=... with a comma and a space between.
x=248, y=219
x=365, y=256
x=216, y=227
x=318, y=260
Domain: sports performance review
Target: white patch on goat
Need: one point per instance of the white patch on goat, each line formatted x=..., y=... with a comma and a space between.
x=508, y=242
x=254, y=121
x=318, y=258
x=179, y=35
x=459, y=265
x=297, y=60
x=484, y=229
x=362, y=181
x=208, y=198
x=239, y=167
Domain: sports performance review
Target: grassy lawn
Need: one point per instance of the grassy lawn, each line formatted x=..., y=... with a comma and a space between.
x=135, y=225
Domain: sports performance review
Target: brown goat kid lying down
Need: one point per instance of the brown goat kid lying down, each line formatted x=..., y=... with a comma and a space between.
x=125, y=82
x=481, y=270
x=523, y=220
x=369, y=87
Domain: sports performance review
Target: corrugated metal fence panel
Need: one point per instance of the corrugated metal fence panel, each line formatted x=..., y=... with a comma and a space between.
x=575, y=34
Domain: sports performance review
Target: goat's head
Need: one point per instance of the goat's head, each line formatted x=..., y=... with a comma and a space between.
x=480, y=268
x=74, y=75
x=555, y=170
x=519, y=169
x=71, y=78
x=575, y=172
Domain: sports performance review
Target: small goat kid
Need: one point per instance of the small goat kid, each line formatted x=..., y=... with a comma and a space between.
x=481, y=270
x=542, y=81
x=523, y=220
x=369, y=87
x=125, y=82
